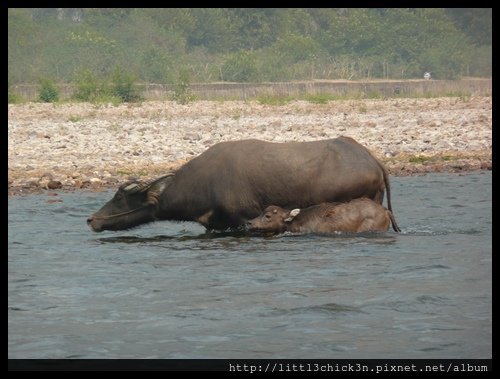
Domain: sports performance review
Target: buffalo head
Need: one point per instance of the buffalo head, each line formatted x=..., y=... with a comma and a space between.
x=134, y=203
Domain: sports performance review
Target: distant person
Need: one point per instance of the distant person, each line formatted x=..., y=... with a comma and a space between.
x=427, y=75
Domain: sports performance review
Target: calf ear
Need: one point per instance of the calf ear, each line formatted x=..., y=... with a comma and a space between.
x=293, y=213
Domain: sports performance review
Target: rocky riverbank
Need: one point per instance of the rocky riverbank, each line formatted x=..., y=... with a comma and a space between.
x=82, y=145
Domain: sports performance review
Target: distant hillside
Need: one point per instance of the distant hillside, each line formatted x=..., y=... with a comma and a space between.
x=248, y=45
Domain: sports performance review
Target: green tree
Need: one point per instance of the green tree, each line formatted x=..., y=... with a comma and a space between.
x=477, y=23
x=239, y=67
x=213, y=30
x=281, y=44
x=158, y=64
x=177, y=20
x=255, y=27
x=295, y=48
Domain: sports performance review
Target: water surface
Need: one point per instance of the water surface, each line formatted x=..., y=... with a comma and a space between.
x=170, y=290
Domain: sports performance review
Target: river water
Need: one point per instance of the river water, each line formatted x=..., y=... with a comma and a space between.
x=170, y=290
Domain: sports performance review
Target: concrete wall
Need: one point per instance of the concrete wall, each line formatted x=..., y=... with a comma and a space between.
x=246, y=91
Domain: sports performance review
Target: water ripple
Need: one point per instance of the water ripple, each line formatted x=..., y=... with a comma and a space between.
x=172, y=290
x=327, y=309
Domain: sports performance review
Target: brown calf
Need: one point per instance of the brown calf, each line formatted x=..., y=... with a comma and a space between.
x=358, y=215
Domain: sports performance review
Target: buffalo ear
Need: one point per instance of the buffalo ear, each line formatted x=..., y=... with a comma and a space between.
x=293, y=213
x=159, y=185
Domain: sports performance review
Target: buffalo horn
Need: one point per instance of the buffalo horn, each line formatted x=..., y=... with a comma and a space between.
x=136, y=187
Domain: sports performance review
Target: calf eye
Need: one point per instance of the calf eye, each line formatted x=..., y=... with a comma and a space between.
x=267, y=216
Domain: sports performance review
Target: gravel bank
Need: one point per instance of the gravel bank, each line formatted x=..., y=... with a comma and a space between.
x=82, y=145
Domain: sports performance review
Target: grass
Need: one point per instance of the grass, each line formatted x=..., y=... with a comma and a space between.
x=74, y=118
x=324, y=97
x=113, y=127
x=461, y=94
x=438, y=159
x=123, y=172
x=274, y=99
x=424, y=159
x=374, y=95
x=315, y=98
x=419, y=159
x=15, y=98
x=319, y=98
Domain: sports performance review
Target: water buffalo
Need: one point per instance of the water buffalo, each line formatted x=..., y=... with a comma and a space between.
x=358, y=215
x=232, y=182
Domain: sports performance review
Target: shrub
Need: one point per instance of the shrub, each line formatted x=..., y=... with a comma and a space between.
x=48, y=91
x=87, y=86
x=182, y=92
x=122, y=86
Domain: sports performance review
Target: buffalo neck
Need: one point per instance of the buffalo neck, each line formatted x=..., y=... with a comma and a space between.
x=182, y=200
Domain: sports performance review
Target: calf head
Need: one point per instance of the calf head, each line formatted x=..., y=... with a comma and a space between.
x=134, y=204
x=274, y=219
